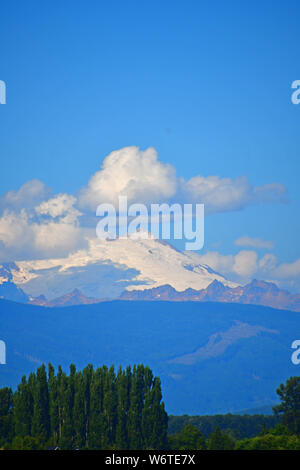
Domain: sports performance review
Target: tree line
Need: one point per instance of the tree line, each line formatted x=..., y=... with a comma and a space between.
x=278, y=432
x=88, y=409
x=241, y=426
x=103, y=409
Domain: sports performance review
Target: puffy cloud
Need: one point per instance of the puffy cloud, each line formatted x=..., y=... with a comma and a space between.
x=288, y=270
x=60, y=205
x=217, y=194
x=271, y=192
x=28, y=195
x=254, y=242
x=49, y=230
x=245, y=264
x=21, y=239
x=268, y=263
x=216, y=261
x=241, y=266
x=33, y=224
x=55, y=239
x=227, y=194
x=133, y=173
x=14, y=230
x=141, y=177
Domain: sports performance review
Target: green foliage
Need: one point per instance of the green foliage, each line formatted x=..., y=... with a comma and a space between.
x=26, y=443
x=40, y=425
x=123, y=393
x=6, y=422
x=240, y=426
x=92, y=409
x=189, y=438
x=289, y=408
x=220, y=440
x=102, y=409
x=270, y=442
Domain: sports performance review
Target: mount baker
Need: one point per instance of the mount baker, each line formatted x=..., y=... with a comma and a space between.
x=135, y=268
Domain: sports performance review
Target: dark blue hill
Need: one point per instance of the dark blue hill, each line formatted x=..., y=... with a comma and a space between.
x=211, y=357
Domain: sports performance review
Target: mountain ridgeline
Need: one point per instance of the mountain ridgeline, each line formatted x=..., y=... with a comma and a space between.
x=131, y=269
x=256, y=293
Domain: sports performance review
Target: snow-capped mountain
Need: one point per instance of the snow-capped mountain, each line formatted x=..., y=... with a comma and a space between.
x=107, y=268
x=136, y=268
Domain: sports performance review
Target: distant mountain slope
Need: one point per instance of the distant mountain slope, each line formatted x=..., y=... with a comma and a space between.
x=131, y=269
x=106, y=268
x=9, y=291
x=256, y=292
x=73, y=298
x=212, y=357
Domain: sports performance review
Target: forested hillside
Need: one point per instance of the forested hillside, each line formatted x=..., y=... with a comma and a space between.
x=240, y=426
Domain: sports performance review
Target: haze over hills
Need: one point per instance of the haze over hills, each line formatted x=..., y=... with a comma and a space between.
x=211, y=357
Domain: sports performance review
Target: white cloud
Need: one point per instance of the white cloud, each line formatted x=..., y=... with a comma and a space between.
x=14, y=229
x=254, y=242
x=60, y=205
x=49, y=230
x=288, y=270
x=267, y=263
x=133, y=173
x=240, y=266
x=227, y=194
x=270, y=192
x=56, y=238
x=216, y=261
x=245, y=264
x=33, y=224
x=217, y=194
x=28, y=195
x=141, y=177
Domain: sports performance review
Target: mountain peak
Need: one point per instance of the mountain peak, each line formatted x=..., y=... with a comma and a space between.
x=72, y=298
x=256, y=292
x=106, y=268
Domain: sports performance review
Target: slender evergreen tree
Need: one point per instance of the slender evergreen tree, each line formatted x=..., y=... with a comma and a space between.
x=135, y=408
x=23, y=406
x=93, y=409
x=123, y=393
x=41, y=419
x=97, y=428
x=53, y=405
x=79, y=412
x=6, y=423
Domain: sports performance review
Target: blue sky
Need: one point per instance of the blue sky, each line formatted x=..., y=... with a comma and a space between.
x=207, y=84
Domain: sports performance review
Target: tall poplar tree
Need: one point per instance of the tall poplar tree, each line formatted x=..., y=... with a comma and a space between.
x=41, y=419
